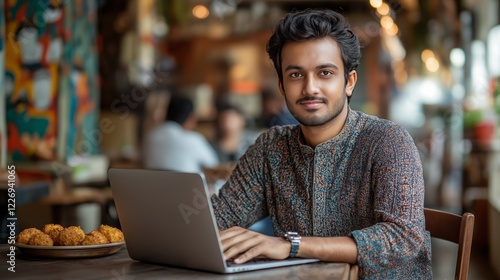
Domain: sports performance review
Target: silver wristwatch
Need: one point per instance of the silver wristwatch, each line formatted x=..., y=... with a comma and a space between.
x=294, y=239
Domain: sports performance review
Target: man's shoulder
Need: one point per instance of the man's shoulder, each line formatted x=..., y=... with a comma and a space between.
x=277, y=137
x=166, y=127
x=385, y=140
x=279, y=132
x=375, y=125
x=378, y=132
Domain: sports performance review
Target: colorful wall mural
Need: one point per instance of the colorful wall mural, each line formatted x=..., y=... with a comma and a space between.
x=80, y=78
x=34, y=35
x=50, y=53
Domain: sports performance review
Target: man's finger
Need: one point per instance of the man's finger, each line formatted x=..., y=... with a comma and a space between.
x=242, y=248
x=230, y=232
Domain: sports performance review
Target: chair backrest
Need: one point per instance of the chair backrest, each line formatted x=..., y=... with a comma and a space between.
x=454, y=228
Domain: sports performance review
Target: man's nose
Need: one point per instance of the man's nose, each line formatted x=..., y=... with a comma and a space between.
x=310, y=85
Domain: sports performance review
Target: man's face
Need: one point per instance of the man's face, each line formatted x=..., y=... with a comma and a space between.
x=313, y=81
x=231, y=122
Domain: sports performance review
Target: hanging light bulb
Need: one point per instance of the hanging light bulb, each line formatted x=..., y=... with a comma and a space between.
x=200, y=11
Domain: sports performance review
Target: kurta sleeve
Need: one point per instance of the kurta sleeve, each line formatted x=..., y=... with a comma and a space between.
x=241, y=201
x=398, y=189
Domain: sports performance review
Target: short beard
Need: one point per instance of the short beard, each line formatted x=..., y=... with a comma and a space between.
x=319, y=121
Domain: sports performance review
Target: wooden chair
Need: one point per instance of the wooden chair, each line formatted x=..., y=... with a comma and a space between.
x=454, y=228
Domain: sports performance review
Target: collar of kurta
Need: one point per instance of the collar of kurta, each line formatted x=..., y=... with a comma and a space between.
x=342, y=138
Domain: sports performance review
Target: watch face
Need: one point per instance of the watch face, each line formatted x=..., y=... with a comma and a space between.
x=292, y=236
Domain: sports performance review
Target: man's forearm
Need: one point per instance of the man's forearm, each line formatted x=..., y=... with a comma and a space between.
x=329, y=249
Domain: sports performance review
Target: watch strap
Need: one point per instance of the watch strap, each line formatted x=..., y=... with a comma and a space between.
x=295, y=248
x=294, y=239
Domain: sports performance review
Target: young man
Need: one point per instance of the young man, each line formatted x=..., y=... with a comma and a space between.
x=350, y=185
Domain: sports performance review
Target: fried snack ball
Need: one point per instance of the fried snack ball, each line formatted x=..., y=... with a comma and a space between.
x=95, y=238
x=112, y=234
x=53, y=231
x=25, y=235
x=41, y=239
x=71, y=236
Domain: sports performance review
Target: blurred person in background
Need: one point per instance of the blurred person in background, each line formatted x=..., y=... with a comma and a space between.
x=232, y=137
x=274, y=110
x=174, y=145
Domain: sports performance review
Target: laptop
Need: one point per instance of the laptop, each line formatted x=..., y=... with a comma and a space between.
x=167, y=219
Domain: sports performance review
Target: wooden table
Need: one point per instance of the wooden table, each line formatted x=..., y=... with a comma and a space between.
x=119, y=266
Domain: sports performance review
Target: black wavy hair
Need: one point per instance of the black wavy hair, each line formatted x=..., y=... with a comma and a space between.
x=315, y=24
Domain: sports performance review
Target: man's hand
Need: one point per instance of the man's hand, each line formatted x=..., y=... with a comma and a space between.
x=245, y=245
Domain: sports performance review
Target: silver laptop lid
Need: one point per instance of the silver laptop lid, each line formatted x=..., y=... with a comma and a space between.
x=166, y=218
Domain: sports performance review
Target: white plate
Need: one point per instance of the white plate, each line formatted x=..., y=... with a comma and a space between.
x=84, y=251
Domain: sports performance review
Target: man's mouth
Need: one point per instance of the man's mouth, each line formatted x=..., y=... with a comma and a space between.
x=311, y=103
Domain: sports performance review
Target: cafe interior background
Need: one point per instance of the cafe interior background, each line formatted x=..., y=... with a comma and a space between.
x=83, y=81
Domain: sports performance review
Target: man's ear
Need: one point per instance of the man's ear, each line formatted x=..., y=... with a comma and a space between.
x=351, y=82
x=280, y=86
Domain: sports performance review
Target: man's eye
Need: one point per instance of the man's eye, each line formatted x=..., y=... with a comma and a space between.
x=295, y=75
x=326, y=73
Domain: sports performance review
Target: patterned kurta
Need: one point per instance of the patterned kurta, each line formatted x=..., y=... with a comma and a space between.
x=365, y=183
